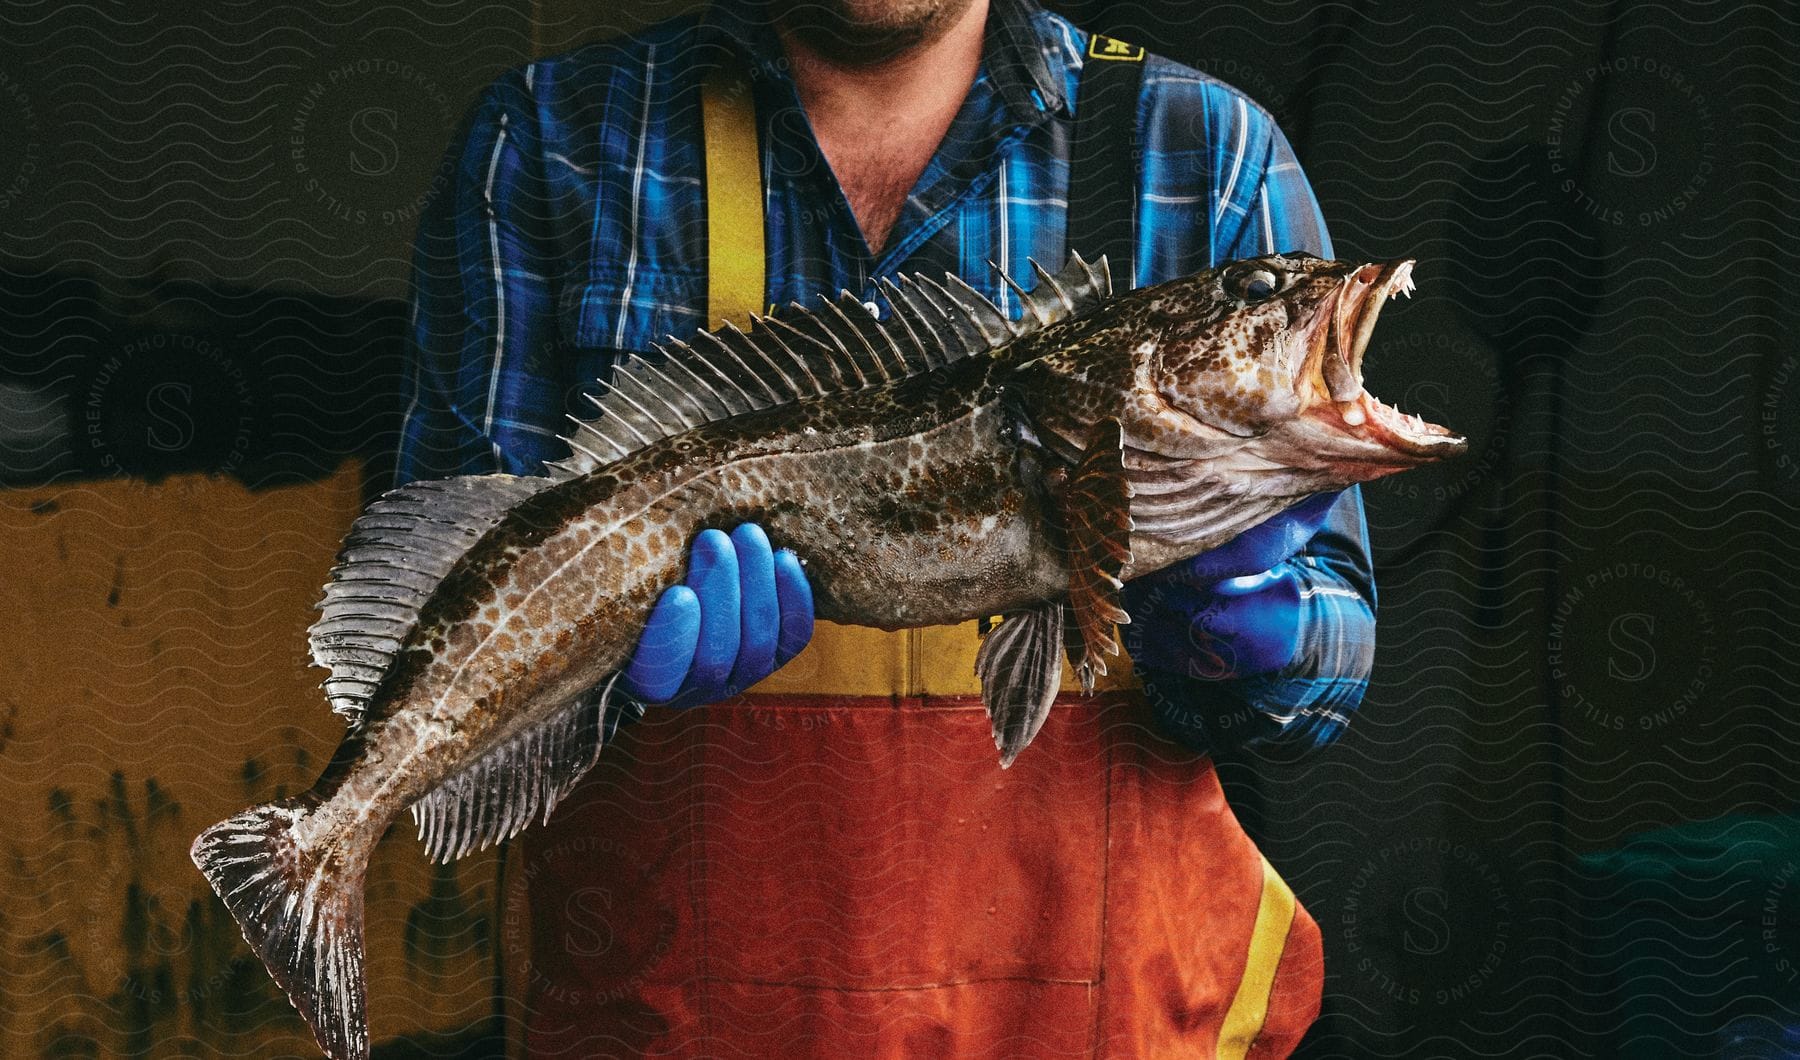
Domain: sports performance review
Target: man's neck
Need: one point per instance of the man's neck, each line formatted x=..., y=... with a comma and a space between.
x=879, y=124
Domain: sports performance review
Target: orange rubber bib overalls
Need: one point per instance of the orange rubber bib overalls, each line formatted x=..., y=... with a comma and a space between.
x=836, y=866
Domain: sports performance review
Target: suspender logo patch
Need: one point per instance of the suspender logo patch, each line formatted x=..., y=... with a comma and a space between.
x=1101, y=46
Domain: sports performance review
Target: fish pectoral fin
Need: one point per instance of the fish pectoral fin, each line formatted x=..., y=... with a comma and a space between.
x=1020, y=667
x=1093, y=502
x=498, y=795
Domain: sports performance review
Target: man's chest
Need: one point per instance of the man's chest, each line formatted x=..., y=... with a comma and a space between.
x=875, y=180
x=874, y=163
x=636, y=244
x=636, y=218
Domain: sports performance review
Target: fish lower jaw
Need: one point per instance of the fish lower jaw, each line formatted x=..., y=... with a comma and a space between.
x=1390, y=431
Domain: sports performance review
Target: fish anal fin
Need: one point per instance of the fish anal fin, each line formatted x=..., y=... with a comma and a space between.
x=522, y=779
x=1020, y=667
x=1093, y=503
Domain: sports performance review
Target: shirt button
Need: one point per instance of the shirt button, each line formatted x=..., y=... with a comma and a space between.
x=874, y=310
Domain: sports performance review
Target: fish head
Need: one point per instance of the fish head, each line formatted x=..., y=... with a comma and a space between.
x=1268, y=352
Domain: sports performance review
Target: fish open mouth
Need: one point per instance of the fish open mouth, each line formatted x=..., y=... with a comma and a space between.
x=1339, y=344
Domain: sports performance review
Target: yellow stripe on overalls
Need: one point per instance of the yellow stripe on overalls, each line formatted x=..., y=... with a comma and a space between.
x=841, y=660
x=1268, y=939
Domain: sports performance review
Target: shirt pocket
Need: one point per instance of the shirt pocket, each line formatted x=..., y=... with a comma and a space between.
x=629, y=309
x=617, y=313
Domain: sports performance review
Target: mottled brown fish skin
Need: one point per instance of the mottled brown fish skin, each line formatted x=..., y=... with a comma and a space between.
x=944, y=520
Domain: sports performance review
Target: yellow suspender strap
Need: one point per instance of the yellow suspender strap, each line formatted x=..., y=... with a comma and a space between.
x=734, y=198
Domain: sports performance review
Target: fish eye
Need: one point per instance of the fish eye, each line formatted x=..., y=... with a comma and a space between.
x=1257, y=285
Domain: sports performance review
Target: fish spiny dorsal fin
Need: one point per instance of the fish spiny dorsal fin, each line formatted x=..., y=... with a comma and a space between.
x=392, y=561
x=958, y=317
x=733, y=379
x=926, y=318
x=880, y=339
x=1047, y=282
x=836, y=346
x=828, y=326
x=820, y=372
x=901, y=326
x=707, y=400
x=995, y=329
x=805, y=333
x=1025, y=300
x=763, y=362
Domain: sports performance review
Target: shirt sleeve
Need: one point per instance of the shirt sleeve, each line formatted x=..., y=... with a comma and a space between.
x=1277, y=212
x=482, y=319
x=1309, y=701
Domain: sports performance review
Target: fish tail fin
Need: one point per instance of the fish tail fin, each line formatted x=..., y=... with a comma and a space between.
x=306, y=923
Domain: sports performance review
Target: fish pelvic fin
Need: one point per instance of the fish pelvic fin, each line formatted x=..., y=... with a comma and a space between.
x=1020, y=666
x=303, y=920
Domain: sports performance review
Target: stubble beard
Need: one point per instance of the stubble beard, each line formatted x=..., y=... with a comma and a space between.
x=865, y=32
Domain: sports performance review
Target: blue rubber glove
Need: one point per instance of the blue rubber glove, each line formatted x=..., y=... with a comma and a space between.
x=1231, y=612
x=743, y=611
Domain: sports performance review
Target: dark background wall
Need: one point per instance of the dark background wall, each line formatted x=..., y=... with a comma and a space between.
x=1557, y=827
x=1585, y=628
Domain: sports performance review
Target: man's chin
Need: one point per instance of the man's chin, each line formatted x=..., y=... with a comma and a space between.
x=865, y=32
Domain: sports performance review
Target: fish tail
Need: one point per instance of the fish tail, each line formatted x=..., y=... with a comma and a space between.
x=305, y=921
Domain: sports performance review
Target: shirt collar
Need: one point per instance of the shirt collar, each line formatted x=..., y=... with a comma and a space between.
x=1014, y=52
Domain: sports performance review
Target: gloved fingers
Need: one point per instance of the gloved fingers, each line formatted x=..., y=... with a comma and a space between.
x=1259, y=632
x=665, y=651
x=1214, y=634
x=795, y=595
x=1253, y=583
x=713, y=576
x=760, y=623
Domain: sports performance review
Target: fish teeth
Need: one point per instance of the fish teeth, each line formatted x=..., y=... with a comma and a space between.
x=1402, y=282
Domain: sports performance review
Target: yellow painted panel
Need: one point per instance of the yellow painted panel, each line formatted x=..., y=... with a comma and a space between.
x=157, y=680
x=845, y=660
x=734, y=201
x=932, y=661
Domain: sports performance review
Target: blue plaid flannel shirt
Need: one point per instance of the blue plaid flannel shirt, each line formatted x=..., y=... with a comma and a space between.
x=574, y=227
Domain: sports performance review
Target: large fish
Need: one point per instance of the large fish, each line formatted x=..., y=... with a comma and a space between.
x=940, y=464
